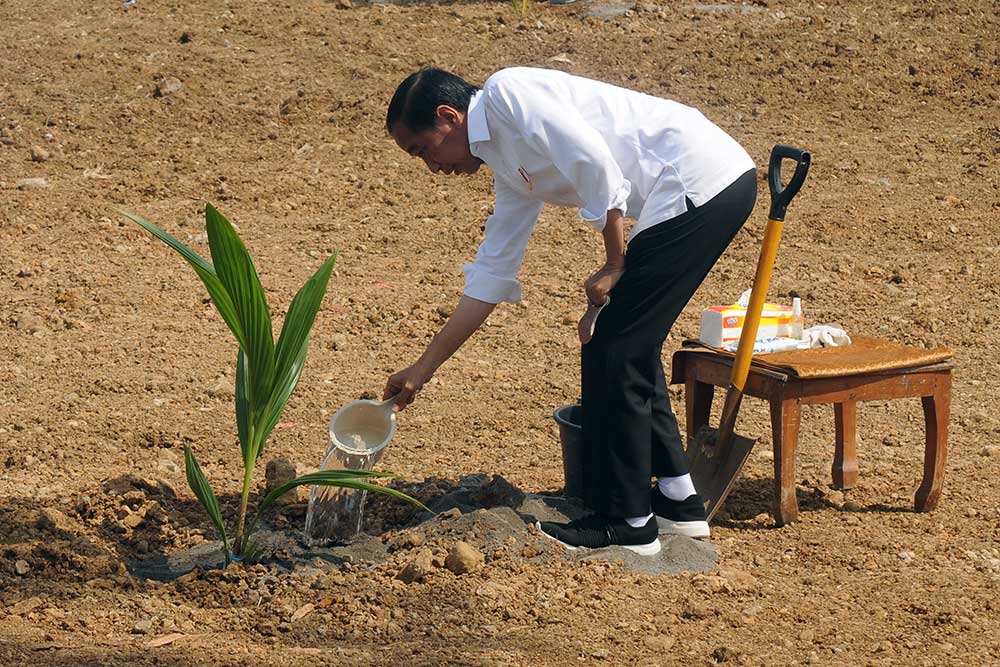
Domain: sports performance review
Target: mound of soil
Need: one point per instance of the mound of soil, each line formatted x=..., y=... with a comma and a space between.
x=490, y=518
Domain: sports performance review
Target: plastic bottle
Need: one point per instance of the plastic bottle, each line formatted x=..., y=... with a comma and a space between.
x=797, y=320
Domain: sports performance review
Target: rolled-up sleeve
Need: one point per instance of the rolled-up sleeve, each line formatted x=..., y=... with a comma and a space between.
x=583, y=157
x=577, y=150
x=492, y=277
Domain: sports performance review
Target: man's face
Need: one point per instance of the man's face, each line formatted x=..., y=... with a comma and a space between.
x=443, y=148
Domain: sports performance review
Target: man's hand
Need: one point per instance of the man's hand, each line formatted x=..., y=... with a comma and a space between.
x=599, y=285
x=404, y=385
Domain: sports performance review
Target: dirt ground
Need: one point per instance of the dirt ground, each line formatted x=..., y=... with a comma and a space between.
x=112, y=358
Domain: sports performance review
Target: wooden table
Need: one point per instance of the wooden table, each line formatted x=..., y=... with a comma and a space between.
x=786, y=393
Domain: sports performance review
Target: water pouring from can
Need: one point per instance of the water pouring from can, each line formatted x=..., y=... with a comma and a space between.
x=359, y=433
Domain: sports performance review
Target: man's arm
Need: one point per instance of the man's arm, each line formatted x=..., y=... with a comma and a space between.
x=492, y=278
x=600, y=283
x=469, y=315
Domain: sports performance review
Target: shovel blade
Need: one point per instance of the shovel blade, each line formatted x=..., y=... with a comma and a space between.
x=713, y=474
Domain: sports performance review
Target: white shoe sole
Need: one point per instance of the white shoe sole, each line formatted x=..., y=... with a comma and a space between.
x=694, y=529
x=650, y=549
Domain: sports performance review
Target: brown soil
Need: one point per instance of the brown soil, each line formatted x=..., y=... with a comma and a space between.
x=112, y=358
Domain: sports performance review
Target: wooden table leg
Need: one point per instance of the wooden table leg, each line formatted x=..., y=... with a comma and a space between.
x=845, y=455
x=785, y=418
x=936, y=411
x=697, y=405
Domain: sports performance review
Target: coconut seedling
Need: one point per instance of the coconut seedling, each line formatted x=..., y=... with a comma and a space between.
x=266, y=373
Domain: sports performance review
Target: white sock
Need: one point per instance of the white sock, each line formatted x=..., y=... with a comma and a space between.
x=638, y=521
x=676, y=488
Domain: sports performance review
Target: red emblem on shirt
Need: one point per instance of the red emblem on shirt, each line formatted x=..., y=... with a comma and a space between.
x=524, y=175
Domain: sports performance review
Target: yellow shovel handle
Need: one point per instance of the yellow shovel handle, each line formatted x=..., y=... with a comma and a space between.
x=765, y=264
x=781, y=196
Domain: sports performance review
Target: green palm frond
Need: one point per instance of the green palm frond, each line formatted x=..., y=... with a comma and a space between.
x=203, y=492
x=238, y=274
x=347, y=479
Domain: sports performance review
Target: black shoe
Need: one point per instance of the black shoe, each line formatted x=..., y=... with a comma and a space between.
x=595, y=533
x=680, y=517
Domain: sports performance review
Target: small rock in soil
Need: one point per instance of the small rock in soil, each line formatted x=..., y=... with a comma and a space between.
x=738, y=579
x=992, y=451
x=660, y=643
x=143, y=627
x=168, y=466
x=710, y=584
x=52, y=519
x=493, y=590
x=724, y=654
x=222, y=388
x=32, y=183
x=31, y=324
x=338, y=342
x=696, y=611
x=167, y=86
x=463, y=558
x=22, y=567
x=25, y=606
x=39, y=154
x=412, y=540
x=418, y=569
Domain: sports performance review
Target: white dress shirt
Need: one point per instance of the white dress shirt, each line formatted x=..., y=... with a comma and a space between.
x=554, y=138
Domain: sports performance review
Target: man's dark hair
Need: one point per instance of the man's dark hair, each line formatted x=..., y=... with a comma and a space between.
x=418, y=97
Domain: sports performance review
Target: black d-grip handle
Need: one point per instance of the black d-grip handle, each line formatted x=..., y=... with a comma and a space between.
x=781, y=197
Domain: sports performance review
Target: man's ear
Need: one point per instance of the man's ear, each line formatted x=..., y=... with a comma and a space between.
x=448, y=114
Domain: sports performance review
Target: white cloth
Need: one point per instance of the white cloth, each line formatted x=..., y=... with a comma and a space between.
x=824, y=335
x=554, y=138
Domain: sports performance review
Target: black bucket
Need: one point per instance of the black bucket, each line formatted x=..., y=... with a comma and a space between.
x=571, y=435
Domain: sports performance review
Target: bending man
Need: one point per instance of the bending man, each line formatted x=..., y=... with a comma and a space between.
x=550, y=137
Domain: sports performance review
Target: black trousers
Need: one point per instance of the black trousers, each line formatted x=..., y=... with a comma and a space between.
x=630, y=433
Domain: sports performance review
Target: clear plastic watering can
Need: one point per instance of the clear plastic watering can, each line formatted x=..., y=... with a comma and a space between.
x=359, y=433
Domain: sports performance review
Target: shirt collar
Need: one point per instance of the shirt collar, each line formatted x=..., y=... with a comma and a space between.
x=476, y=121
